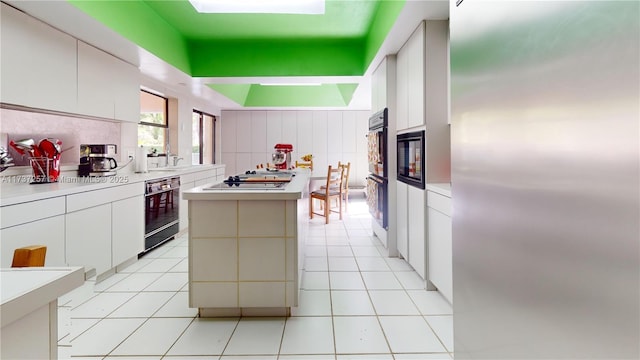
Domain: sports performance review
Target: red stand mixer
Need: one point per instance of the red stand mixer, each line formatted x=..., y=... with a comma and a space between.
x=282, y=157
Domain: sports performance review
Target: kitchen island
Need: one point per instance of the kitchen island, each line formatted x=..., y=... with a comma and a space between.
x=246, y=247
x=29, y=309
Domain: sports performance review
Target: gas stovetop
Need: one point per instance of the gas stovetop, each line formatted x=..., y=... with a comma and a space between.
x=247, y=186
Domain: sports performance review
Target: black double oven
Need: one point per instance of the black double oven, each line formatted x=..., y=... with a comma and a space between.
x=377, y=180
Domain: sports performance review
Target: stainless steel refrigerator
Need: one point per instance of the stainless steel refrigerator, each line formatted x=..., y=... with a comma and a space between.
x=545, y=179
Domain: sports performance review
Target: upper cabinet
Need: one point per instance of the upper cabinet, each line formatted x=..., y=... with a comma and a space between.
x=423, y=88
x=38, y=63
x=423, y=76
x=43, y=68
x=107, y=86
x=411, y=82
x=383, y=85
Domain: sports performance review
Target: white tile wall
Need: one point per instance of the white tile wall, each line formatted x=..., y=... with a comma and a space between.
x=261, y=259
x=258, y=131
x=248, y=138
x=219, y=256
x=262, y=294
x=218, y=221
x=226, y=294
x=261, y=218
x=243, y=132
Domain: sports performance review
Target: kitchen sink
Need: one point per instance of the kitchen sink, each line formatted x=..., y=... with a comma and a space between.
x=170, y=168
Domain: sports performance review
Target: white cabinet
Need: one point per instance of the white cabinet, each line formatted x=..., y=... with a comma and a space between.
x=440, y=243
x=383, y=85
x=126, y=91
x=105, y=227
x=411, y=229
x=411, y=81
x=402, y=88
x=127, y=229
x=33, y=223
x=416, y=226
x=107, y=86
x=402, y=236
x=88, y=240
x=48, y=232
x=44, y=68
x=38, y=63
x=415, y=78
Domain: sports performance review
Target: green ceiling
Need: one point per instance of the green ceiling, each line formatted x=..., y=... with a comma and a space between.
x=341, y=42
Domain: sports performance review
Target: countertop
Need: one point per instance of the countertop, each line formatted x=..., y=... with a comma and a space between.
x=293, y=190
x=16, y=189
x=440, y=188
x=27, y=289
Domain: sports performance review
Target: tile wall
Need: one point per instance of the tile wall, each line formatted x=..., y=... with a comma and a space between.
x=73, y=131
x=248, y=138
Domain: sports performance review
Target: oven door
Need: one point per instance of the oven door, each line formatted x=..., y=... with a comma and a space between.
x=377, y=199
x=376, y=151
x=162, y=214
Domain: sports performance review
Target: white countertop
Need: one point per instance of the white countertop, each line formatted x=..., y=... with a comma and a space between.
x=14, y=190
x=27, y=289
x=293, y=190
x=440, y=188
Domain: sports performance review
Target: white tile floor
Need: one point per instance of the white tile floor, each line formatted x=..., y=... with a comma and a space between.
x=355, y=304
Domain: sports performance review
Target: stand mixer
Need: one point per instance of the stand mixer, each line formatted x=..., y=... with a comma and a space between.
x=282, y=157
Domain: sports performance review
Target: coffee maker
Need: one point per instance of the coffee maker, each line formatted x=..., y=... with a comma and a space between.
x=97, y=160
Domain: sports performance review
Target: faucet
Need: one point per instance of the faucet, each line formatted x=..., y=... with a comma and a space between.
x=175, y=159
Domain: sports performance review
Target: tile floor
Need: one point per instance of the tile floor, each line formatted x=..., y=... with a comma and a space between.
x=354, y=304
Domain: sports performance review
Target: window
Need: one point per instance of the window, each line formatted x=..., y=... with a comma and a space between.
x=202, y=138
x=152, y=130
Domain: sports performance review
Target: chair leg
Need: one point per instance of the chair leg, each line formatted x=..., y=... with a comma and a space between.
x=340, y=206
x=326, y=210
x=311, y=208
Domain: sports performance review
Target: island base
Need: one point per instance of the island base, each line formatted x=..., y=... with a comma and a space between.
x=246, y=311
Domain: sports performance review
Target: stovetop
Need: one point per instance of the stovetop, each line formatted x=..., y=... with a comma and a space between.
x=247, y=186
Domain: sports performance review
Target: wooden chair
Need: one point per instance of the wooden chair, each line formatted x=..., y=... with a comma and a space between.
x=29, y=256
x=346, y=170
x=303, y=164
x=332, y=190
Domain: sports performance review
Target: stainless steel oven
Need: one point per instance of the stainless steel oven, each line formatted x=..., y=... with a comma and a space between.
x=162, y=211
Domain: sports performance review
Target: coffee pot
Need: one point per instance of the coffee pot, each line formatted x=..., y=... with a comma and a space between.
x=97, y=160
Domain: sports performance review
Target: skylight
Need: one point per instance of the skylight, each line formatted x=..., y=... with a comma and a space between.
x=259, y=6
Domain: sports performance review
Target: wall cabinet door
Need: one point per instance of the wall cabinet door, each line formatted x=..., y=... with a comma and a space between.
x=48, y=232
x=415, y=78
x=126, y=91
x=402, y=88
x=417, y=239
x=88, y=241
x=403, y=225
x=95, y=82
x=127, y=229
x=38, y=63
x=107, y=86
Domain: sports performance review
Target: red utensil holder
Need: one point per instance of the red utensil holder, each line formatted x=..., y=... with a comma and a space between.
x=45, y=170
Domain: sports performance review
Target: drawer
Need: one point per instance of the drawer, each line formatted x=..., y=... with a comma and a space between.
x=89, y=199
x=31, y=211
x=439, y=202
